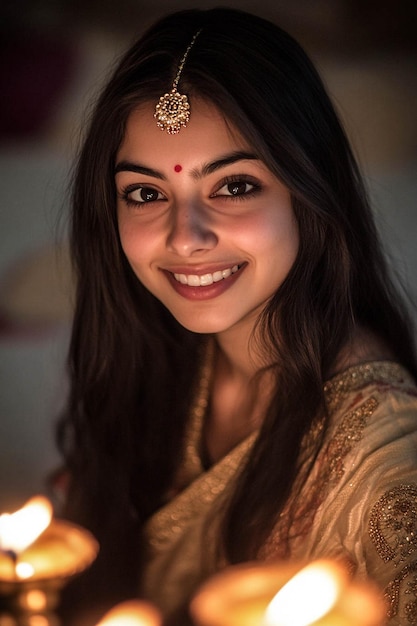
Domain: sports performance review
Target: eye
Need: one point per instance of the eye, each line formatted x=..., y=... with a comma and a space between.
x=139, y=194
x=237, y=187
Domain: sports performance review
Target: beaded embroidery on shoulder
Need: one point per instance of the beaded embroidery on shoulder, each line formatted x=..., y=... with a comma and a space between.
x=358, y=376
x=392, y=528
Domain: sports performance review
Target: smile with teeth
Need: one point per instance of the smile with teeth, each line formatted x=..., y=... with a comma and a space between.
x=193, y=280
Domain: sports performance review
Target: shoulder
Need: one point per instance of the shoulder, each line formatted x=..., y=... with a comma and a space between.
x=384, y=376
x=369, y=448
x=373, y=423
x=371, y=445
x=377, y=389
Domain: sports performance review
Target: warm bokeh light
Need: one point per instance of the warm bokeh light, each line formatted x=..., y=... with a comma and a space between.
x=287, y=593
x=24, y=570
x=132, y=613
x=38, y=620
x=36, y=600
x=61, y=551
x=18, y=530
x=318, y=584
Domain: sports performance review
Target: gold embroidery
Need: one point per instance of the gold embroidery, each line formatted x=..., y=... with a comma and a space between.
x=410, y=612
x=348, y=433
x=192, y=503
x=392, y=594
x=410, y=609
x=329, y=468
x=393, y=524
x=393, y=531
x=358, y=376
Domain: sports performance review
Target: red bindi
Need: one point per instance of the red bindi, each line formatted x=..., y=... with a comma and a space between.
x=178, y=168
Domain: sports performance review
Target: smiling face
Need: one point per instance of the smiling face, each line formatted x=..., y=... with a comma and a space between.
x=206, y=227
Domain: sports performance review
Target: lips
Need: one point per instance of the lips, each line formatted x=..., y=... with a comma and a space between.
x=206, y=285
x=203, y=280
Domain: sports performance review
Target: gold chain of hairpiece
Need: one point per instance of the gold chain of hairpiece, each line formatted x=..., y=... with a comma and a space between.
x=173, y=109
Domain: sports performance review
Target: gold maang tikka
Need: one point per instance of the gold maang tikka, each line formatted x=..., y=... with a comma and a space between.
x=173, y=109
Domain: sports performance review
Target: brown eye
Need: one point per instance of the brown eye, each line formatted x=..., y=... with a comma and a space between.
x=142, y=195
x=237, y=188
x=145, y=194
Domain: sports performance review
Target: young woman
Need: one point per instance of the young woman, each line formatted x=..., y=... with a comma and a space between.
x=242, y=368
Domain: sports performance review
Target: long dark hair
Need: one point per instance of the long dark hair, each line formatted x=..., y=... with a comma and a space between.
x=132, y=366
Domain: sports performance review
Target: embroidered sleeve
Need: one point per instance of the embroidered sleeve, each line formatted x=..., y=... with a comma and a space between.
x=393, y=533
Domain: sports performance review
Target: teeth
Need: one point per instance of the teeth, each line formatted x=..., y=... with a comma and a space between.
x=193, y=280
x=206, y=279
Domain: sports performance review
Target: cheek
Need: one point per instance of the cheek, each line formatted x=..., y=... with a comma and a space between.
x=273, y=232
x=125, y=236
x=133, y=244
x=284, y=227
x=288, y=235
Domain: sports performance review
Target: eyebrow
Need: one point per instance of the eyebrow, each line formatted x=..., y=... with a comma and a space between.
x=227, y=159
x=127, y=166
x=196, y=173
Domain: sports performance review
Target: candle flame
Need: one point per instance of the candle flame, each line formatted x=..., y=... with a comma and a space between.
x=24, y=570
x=307, y=597
x=132, y=613
x=19, y=529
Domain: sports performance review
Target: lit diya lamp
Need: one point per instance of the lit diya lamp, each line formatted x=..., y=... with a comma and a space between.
x=287, y=594
x=132, y=613
x=38, y=555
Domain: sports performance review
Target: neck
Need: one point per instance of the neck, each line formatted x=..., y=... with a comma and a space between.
x=237, y=407
x=239, y=354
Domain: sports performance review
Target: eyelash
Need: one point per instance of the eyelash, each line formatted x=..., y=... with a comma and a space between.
x=126, y=191
x=256, y=188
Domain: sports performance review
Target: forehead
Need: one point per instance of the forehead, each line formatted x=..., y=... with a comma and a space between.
x=207, y=131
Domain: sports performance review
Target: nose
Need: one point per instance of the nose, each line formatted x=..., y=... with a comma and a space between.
x=191, y=231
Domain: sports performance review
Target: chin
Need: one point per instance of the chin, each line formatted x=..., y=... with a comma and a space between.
x=197, y=324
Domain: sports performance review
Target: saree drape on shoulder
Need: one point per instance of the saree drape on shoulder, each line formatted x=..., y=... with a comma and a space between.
x=359, y=503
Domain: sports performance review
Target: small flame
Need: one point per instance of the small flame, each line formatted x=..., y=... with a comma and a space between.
x=18, y=530
x=24, y=570
x=132, y=613
x=318, y=584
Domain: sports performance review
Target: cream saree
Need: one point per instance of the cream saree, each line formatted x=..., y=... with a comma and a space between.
x=359, y=503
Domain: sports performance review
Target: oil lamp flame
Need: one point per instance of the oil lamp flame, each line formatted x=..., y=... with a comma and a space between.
x=19, y=529
x=306, y=597
x=132, y=613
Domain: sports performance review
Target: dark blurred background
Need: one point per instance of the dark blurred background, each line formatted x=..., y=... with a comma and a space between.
x=54, y=56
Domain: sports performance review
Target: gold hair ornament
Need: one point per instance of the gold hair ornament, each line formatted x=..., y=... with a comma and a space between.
x=173, y=109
